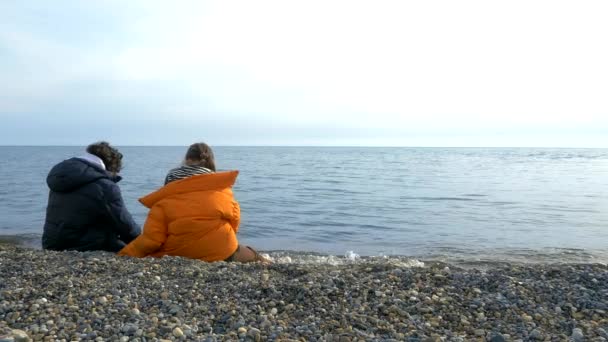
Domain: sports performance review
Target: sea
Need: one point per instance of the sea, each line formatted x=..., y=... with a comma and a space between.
x=523, y=205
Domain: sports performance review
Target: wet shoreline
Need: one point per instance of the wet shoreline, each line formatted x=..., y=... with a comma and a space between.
x=467, y=258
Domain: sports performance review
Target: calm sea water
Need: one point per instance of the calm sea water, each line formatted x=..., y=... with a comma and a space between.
x=543, y=205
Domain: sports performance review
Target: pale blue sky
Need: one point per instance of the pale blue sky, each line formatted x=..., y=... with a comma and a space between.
x=405, y=73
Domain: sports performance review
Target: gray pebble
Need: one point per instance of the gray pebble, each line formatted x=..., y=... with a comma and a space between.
x=497, y=338
x=577, y=335
x=536, y=335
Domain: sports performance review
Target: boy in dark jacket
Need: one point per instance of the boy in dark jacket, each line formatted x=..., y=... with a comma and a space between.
x=85, y=211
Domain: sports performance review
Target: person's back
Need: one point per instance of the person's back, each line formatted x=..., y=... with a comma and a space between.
x=194, y=215
x=85, y=208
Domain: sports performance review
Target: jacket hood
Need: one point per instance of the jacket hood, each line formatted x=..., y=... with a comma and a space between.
x=204, y=182
x=73, y=173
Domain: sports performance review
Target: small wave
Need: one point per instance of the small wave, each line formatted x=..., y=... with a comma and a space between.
x=567, y=209
x=498, y=256
x=350, y=257
x=25, y=240
x=502, y=203
x=438, y=198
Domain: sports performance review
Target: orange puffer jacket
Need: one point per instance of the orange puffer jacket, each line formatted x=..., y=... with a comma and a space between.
x=196, y=217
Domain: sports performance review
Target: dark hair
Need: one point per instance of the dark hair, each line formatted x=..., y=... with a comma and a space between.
x=202, y=155
x=108, y=154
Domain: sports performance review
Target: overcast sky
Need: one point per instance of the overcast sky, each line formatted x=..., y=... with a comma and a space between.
x=405, y=73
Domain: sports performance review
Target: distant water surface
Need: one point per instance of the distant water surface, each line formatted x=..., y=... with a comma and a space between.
x=523, y=204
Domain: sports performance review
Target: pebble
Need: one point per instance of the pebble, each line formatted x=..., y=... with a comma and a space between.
x=19, y=335
x=370, y=299
x=480, y=332
x=577, y=335
x=497, y=338
x=129, y=329
x=536, y=335
x=255, y=334
x=177, y=332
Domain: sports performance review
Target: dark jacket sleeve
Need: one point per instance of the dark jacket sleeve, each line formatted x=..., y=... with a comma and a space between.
x=124, y=224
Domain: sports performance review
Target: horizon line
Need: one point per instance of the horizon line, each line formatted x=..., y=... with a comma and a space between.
x=325, y=146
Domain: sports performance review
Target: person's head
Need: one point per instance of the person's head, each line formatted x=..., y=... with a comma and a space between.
x=108, y=154
x=200, y=154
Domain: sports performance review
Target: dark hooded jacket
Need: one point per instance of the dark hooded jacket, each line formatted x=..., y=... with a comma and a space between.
x=85, y=210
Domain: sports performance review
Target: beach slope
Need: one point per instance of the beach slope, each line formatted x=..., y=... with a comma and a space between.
x=99, y=296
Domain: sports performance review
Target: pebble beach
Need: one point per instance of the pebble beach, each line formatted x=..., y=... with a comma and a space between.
x=97, y=296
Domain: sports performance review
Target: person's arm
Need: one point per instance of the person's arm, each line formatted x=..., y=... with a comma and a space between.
x=124, y=225
x=235, y=219
x=153, y=237
x=231, y=211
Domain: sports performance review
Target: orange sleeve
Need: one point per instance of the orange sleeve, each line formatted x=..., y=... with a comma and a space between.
x=153, y=237
x=235, y=218
x=229, y=208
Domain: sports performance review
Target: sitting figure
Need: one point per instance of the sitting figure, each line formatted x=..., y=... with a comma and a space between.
x=194, y=215
x=85, y=210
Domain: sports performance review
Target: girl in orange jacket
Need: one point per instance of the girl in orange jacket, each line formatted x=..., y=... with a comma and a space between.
x=194, y=215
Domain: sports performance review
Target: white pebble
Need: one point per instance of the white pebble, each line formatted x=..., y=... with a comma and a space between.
x=284, y=260
x=177, y=332
x=19, y=335
x=352, y=256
